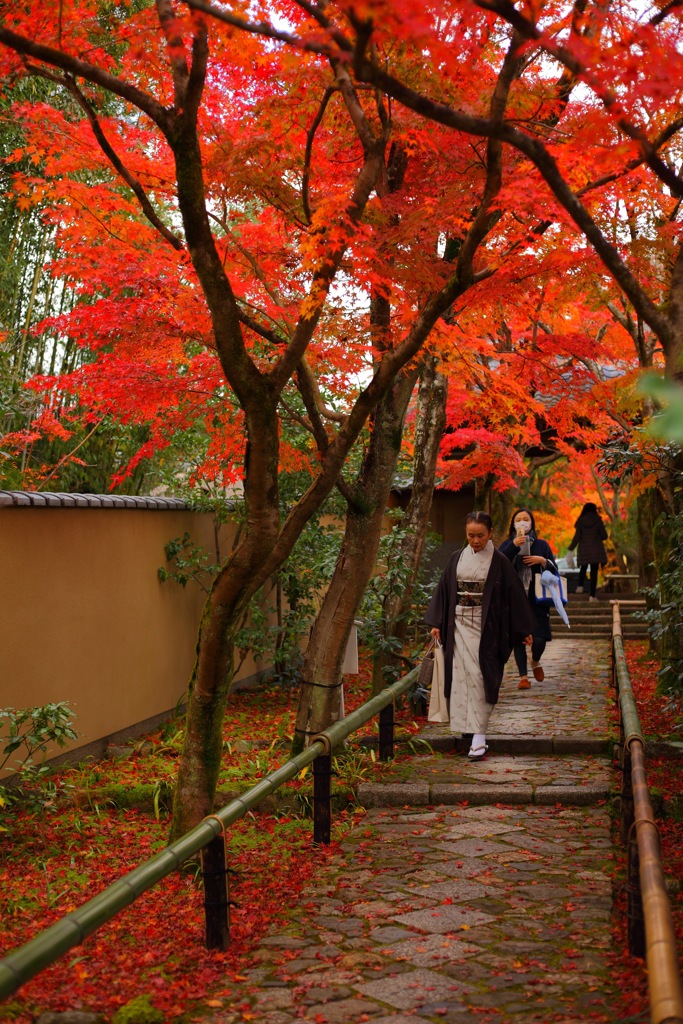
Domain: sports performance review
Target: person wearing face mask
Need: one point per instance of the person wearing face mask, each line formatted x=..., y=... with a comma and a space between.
x=530, y=555
x=478, y=612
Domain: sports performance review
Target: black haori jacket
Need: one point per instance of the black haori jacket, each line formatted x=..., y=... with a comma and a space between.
x=505, y=620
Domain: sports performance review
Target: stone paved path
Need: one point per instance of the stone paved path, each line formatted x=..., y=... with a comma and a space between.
x=497, y=912
x=571, y=701
x=564, y=719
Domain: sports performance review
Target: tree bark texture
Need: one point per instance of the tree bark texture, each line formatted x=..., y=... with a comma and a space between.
x=429, y=427
x=321, y=672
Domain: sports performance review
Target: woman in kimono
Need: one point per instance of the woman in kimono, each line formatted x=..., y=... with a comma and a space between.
x=478, y=612
x=530, y=555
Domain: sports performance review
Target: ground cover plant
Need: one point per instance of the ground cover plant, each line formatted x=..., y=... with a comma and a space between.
x=55, y=858
x=112, y=815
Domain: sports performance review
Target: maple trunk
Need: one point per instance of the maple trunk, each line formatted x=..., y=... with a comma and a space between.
x=321, y=672
x=244, y=572
x=429, y=428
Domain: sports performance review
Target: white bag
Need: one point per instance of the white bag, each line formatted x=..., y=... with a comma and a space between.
x=571, y=564
x=438, y=705
x=544, y=595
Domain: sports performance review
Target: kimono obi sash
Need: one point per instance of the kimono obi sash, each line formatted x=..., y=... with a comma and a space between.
x=471, y=593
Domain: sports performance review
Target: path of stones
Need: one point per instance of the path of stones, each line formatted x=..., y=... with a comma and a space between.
x=497, y=910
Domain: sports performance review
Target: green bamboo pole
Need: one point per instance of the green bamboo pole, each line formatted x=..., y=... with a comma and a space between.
x=24, y=963
x=627, y=701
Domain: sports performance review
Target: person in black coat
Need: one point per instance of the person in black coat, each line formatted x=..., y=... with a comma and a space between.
x=530, y=556
x=478, y=612
x=589, y=534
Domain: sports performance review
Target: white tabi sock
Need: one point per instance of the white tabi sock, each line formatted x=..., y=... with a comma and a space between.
x=478, y=740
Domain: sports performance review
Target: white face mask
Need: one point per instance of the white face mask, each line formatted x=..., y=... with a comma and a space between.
x=522, y=526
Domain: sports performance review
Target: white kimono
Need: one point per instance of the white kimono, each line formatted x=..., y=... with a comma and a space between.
x=469, y=711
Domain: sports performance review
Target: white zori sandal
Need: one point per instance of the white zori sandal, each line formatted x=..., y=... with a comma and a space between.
x=478, y=753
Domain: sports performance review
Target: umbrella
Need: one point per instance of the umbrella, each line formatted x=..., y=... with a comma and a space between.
x=552, y=582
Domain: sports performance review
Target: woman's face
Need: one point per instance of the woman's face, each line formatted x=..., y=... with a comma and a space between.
x=522, y=522
x=478, y=535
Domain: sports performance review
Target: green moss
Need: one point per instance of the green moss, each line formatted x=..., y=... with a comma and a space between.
x=143, y=795
x=13, y=1010
x=138, y=1011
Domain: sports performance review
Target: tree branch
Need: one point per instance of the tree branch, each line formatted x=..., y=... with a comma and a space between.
x=295, y=416
x=197, y=77
x=263, y=332
x=175, y=49
x=260, y=28
x=310, y=136
x=304, y=371
x=547, y=166
x=668, y=9
x=506, y=10
x=303, y=383
x=113, y=157
x=323, y=277
x=483, y=221
x=91, y=73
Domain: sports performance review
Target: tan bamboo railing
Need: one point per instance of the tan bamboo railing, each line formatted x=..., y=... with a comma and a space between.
x=651, y=930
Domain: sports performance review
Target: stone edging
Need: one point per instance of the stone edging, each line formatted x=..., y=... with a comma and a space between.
x=422, y=794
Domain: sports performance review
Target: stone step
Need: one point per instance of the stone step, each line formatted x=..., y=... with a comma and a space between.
x=594, y=611
x=606, y=607
x=592, y=633
x=571, y=770
x=603, y=625
x=424, y=794
x=577, y=634
x=594, y=746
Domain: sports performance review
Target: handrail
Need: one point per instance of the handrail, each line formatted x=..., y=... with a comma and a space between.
x=648, y=899
x=24, y=963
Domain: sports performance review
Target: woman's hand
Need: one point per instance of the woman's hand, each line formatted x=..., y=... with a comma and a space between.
x=435, y=634
x=528, y=640
x=519, y=539
x=534, y=560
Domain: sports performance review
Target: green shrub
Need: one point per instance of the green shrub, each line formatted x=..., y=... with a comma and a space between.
x=29, y=730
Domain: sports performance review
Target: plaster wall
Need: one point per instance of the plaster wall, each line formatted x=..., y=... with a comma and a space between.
x=84, y=617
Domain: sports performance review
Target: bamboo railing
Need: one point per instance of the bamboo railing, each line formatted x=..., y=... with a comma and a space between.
x=207, y=838
x=650, y=925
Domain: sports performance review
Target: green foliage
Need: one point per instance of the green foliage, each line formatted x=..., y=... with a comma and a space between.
x=280, y=614
x=190, y=562
x=138, y=1011
x=665, y=617
x=29, y=731
x=667, y=424
x=391, y=580
x=625, y=458
x=661, y=466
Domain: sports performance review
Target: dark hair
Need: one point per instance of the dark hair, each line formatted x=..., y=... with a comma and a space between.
x=512, y=531
x=591, y=513
x=482, y=518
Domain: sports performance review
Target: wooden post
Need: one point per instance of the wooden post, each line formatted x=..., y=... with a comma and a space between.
x=634, y=917
x=322, y=793
x=216, y=894
x=386, y=732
